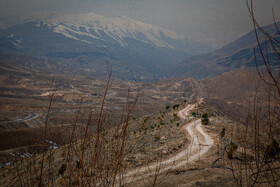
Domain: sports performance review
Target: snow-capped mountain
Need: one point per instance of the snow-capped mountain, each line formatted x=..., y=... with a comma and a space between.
x=137, y=48
x=90, y=27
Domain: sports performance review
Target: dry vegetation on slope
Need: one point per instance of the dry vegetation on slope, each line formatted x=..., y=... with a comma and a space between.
x=147, y=139
x=233, y=93
x=25, y=92
x=151, y=138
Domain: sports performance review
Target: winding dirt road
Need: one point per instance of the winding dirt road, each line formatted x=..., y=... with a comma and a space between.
x=200, y=143
x=30, y=116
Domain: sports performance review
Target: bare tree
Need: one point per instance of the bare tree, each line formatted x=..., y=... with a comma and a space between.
x=261, y=152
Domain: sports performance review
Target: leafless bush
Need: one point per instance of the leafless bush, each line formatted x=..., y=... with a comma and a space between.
x=260, y=162
x=95, y=160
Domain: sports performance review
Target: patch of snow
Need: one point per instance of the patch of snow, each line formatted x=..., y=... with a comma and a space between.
x=28, y=155
x=117, y=28
x=17, y=45
x=6, y=164
x=66, y=31
x=53, y=145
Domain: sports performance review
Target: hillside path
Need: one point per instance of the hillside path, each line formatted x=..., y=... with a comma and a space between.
x=199, y=143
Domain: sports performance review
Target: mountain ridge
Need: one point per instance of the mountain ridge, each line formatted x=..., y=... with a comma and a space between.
x=137, y=50
x=238, y=54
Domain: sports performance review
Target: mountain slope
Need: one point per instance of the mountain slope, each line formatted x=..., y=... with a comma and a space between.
x=233, y=93
x=238, y=54
x=138, y=51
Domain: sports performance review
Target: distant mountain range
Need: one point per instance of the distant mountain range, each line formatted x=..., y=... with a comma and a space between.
x=137, y=51
x=238, y=54
x=82, y=44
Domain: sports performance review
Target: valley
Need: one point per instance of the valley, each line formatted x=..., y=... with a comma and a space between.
x=94, y=100
x=153, y=136
x=26, y=93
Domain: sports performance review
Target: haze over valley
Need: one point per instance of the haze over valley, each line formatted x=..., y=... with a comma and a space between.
x=148, y=93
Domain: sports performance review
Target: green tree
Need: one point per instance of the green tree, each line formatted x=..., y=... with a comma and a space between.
x=222, y=134
x=205, y=120
x=175, y=106
x=272, y=150
x=167, y=107
x=62, y=169
x=231, y=150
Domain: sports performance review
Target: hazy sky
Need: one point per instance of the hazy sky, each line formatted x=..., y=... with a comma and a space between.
x=216, y=22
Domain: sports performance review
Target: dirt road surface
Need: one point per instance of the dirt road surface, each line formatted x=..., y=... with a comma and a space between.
x=199, y=143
